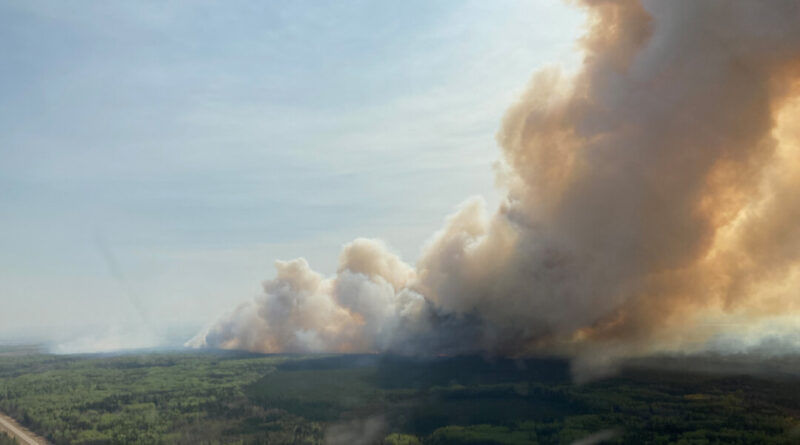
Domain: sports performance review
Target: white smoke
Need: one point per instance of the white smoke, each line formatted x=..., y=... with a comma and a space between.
x=652, y=204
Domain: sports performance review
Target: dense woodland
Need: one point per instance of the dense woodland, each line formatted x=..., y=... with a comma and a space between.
x=237, y=398
x=5, y=439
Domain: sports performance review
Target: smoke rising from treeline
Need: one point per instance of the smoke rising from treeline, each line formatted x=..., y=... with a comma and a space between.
x=652, y=204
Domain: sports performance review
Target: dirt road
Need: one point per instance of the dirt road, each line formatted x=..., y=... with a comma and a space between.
x=24, y=436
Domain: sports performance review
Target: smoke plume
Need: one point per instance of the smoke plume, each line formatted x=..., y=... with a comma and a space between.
x=653, y=203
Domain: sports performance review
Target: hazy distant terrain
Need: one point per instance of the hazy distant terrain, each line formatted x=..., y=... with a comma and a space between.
x=227, y=397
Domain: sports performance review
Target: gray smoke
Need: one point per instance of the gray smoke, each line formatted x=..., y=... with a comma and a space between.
x=651, y=205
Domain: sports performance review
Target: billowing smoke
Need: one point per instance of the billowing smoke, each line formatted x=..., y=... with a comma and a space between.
x=653, y=204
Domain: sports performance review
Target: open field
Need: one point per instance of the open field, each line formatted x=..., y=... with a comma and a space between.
x=236, y=398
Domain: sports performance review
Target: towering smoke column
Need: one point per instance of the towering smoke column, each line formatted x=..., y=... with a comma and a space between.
x=653, y=202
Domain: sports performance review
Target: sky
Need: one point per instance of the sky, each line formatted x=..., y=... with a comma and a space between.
x=156, y=158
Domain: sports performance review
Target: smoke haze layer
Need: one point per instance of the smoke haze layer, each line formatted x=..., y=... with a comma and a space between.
x=651, y=205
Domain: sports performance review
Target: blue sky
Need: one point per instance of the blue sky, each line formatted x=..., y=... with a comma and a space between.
x=157, y=157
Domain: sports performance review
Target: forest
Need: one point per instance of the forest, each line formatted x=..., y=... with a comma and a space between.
x=5, y=439
x=220, y=397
